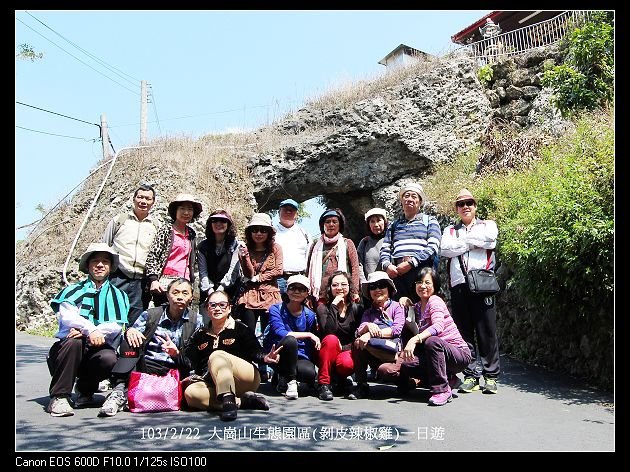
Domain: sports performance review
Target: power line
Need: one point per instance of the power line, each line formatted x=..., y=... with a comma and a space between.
x=157, y=118
x=53, y=134
x=110, y=67
x=82, y=62
x=55, y=113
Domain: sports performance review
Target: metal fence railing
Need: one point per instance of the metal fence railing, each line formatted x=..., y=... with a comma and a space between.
x=530, y=37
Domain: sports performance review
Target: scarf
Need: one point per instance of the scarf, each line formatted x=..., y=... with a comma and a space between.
x=317, y=260
x=99, y=306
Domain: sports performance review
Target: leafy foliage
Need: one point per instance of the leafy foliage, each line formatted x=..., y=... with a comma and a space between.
x=27, y=53
x=485, y=73
x=557, y=222
x=586, y=79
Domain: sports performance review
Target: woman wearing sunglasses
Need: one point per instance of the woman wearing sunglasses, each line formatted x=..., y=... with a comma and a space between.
x=219, y=268
x=293, y=327
x=222, y=355
x=378, y=336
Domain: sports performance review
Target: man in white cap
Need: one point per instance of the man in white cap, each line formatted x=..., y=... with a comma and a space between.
x=411, y=242
x=130, y=234
x=91, y=315
x=472, y=242
x=293, y=240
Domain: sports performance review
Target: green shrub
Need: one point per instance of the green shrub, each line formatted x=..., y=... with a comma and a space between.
x=485, y=74
x=586, y=79
x=556, y=222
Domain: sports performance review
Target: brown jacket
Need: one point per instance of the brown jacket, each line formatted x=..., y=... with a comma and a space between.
x=264, y=293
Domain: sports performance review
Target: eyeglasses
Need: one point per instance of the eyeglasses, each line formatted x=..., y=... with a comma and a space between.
x=428, y=283
x=297, y=288
x=218, y=220
x=381, y=284
x=340, y=285
x=221, y=305
x=259, y=229
x=465, y=203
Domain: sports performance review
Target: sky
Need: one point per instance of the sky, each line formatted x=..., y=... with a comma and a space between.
x=209, y=72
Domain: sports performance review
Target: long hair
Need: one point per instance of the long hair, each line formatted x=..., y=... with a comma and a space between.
x=271, y=238
x=230, y=234
x=329, y=293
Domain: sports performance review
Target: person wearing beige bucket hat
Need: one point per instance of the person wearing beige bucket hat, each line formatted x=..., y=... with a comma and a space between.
x=411, y=242
x=91, y=316
x=261, y=261
x=173, y=252
x=470, y=244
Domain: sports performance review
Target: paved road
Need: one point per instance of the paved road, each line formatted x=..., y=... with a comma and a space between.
x=535, y=410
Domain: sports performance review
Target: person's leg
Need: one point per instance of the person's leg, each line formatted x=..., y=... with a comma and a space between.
x=344, y=364
x=201, y=396
x=360, y=359
x=461, y=304
x=64, y=360
x=287, y=366
x=305, y=371
x=249, y=317
x=97, y=365
x=328, y=353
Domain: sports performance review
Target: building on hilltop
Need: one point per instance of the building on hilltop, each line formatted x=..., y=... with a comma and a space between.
x=403, y=55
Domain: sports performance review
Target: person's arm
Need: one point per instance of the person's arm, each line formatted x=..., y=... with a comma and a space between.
x=204, y=280
x=387, y=248
x=361, y=256
x=69, y=317
x=453, y=246
x=483, y=235
x=233, y=272
x=326, y=320
x=108, y=234
x=354, y=269
x=433, y=241
x=155, y=257
x=246, y=264
x=397, y=313
x=276, y=323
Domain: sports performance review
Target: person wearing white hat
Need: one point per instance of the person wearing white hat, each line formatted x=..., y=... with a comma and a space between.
x=261, y=261
x=369, y=247
x=411, y=242
x=293, y=240
x=472, y=241
x=293, y=327
x=91, y=316
x=173, y=253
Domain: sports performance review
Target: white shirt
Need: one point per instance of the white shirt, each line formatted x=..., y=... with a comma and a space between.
x=294, y=242
x=69, y=317
x=472, y=245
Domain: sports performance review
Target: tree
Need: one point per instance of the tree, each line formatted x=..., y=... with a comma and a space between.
x=27, y=53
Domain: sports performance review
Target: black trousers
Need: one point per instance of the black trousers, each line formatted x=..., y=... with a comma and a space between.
x=139, y=298
x=72, y=358
x=291, y=367
x=476, y=319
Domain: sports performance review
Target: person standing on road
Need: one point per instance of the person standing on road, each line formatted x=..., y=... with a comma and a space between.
x=411, y=242
x=438, y=346
x=472, y=242
x=293, y=240
x=91, y=316
x=173, y=252
x=154, y=344
x=130, y=234
x=222, y=355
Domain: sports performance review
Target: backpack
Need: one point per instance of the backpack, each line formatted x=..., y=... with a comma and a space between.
x=425, y=219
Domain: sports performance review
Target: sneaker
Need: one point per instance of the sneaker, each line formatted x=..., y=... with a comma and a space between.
x=342, y=387
x=324, y=393
x=104, y=386
x=83, y=401
x=490, y=386
x=362, y=390
x=59, y=406
x=439, y=399
x=254, y=401
x=292, y=390
x=470, y=384
x=282, y=384
x=114, y=403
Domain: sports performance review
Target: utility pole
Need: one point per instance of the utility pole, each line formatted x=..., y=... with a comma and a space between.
x=105, y=137
x=143, y=112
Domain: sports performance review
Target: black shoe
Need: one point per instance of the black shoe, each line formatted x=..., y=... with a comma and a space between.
x=264, y=376
x=229, y=409
x=343, y=387
x=362, y=390
x=324, y=393
x=254, y=401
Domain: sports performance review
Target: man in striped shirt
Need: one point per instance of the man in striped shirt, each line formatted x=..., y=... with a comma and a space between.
x=91, y=315
x=411, y=242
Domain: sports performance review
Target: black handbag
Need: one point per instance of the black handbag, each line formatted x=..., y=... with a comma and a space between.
x=480, y=281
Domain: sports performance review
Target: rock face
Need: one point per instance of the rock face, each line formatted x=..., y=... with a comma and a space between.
x=403, y=132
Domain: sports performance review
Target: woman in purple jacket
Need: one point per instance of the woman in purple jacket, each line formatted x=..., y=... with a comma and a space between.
x=439, y=346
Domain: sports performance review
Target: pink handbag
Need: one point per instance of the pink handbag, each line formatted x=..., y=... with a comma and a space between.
x=148, y=392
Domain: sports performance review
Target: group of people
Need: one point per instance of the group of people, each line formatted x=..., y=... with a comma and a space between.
x=327, y=309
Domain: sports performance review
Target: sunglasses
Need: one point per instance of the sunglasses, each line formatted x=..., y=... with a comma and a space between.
x=380, y=285
x=221, y=305
x=218, y=220
x=465, y=203
x=297, y=288
x=259, y=229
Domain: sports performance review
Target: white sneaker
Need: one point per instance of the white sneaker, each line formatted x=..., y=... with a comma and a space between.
x=292, y=390
x=104, y=386
x=114, y=403
x=59, y=406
